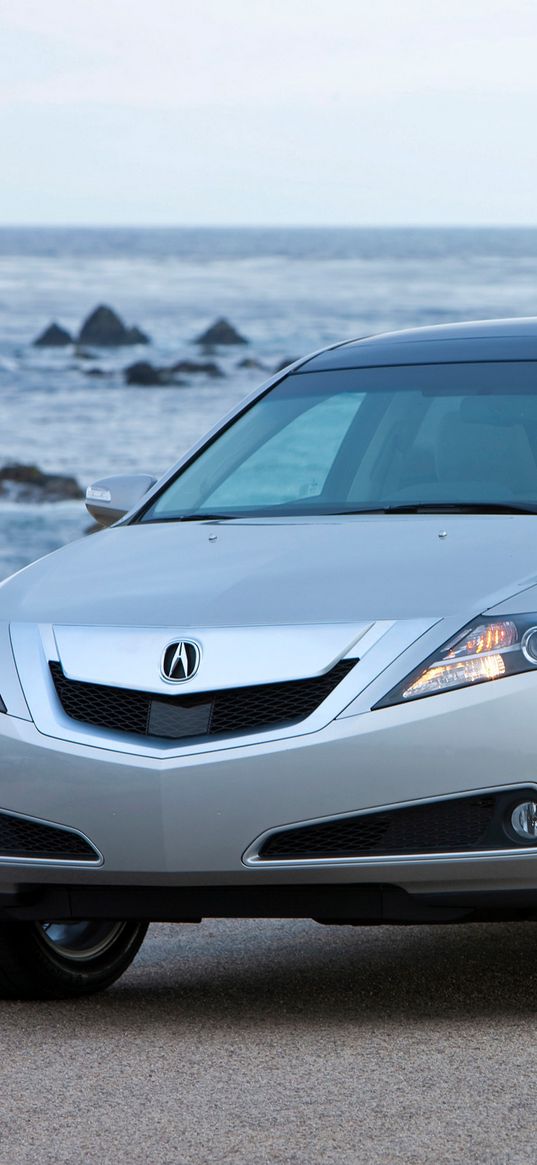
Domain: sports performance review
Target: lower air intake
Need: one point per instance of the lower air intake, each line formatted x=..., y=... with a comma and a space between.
x=454, y=826
x=23, y=838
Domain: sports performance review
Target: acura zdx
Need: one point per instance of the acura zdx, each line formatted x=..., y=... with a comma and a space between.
x=296, y=677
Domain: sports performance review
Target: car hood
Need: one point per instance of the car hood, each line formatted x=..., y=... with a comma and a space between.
x=279, y=572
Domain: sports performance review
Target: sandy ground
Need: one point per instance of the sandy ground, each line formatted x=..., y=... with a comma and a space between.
x=284, y=1042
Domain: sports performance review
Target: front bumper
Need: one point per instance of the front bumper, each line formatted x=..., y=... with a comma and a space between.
x=190, y=821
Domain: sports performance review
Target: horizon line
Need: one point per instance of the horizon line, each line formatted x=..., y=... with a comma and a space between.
x=267, y=226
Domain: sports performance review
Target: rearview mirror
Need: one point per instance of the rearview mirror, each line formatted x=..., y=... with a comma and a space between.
x=111, y=498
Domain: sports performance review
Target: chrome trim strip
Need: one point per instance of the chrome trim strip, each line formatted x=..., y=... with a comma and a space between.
x=34, y=646
x=394, y=859
x=251, y=856
x=59, y=863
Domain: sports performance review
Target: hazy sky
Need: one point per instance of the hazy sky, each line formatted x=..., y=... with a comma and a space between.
x=268, y=111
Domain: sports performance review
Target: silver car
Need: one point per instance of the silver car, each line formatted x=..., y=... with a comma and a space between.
x=297, y=677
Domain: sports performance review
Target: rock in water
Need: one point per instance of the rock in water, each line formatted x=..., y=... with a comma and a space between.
x=251, y=363
x=203, y=367
x=146, y=374
x=53, y=337
x=104, y=328
x=27, y=483
x=220, y=333
x=136, y=336
x=142, y=372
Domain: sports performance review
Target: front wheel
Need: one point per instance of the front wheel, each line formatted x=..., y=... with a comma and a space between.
x=56, y=960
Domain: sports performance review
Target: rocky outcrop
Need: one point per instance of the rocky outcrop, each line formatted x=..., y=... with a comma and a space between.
x=27, y=483
x=53, y=337
x=142, y=372
x=135, y=335
x=220, y=333
x=250, y=362
x=148, y=375
x=198, y=368
x=105, y=329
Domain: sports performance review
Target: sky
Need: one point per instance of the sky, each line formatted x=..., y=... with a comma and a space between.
x=230, y=112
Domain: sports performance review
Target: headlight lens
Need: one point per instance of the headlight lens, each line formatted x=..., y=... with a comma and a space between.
x=486, y=650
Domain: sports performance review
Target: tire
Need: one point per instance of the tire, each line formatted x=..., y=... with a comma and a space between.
x=58, y=960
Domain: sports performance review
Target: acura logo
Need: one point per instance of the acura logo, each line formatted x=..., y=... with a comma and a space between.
x=180, y=661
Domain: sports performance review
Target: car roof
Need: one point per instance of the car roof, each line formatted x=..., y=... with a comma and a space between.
x=476, y=340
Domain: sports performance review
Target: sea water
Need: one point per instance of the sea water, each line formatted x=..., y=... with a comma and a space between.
x=289, y=291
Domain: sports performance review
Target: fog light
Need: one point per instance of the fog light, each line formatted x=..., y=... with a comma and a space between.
x=529, y=644
x=524, y=820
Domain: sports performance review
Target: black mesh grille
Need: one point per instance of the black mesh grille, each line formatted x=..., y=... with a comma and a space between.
x=21, y=838
x=440, y=827
x=207, y=714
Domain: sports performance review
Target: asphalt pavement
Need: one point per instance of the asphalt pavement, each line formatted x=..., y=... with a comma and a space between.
x=284, y=1043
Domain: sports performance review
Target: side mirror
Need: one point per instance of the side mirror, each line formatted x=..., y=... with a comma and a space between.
x=111, y=498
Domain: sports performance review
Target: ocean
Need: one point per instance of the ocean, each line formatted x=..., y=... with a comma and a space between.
x=289, y=291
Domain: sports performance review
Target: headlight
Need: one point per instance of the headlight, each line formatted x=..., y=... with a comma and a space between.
x=486, y=650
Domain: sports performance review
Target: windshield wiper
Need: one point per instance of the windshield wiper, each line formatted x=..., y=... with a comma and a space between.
x=194, y=518
x=402, y=508
x=451, y=508
x=464, y=508
x=208, y=517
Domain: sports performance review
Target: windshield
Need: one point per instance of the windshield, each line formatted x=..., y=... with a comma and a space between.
x=368, y=439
